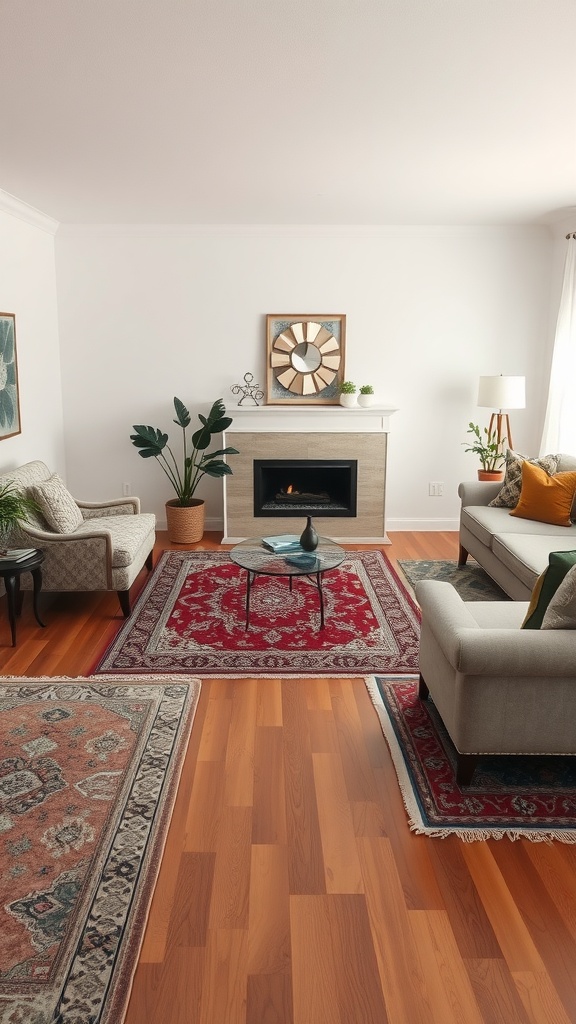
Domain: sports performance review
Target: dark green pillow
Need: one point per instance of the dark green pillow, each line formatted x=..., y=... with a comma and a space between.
x=559, y=563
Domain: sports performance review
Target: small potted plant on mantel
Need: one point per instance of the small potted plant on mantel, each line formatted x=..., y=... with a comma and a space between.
x=366, y=395
x=185, y=513
x=347, y=391
x=489, y=450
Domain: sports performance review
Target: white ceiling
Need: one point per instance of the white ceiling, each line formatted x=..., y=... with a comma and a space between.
x=289, y=111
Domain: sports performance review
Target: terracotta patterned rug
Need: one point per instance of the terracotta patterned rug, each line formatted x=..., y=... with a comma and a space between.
x=190, y=618
x=88, y=776
x=518, y=797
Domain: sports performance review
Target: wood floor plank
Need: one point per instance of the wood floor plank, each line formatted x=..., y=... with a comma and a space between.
x=305, y=858
x=240, y=747
x=269, y=707
x=510, y=929
x=400, y=968
x=269, y=999
x=474, y=934
x=496, y=992
x=540, y=999
x=225, y=982
x=269, y=804
x=269, y=912
x=341, y=865
x=449, y=988
x=231, y=888
x=557, y=947
x=314, y=965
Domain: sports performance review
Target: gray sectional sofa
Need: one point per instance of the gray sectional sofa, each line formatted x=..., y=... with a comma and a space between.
x=513, y=551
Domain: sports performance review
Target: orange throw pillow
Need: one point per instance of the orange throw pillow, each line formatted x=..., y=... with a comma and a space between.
x=546, y=499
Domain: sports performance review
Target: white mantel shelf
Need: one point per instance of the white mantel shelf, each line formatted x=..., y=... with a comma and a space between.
x=305, y=418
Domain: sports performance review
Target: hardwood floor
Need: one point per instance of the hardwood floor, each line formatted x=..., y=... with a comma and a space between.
x=291, y=889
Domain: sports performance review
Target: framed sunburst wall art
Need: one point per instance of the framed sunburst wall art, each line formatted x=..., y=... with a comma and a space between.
x=304, y=357
x=9, y=397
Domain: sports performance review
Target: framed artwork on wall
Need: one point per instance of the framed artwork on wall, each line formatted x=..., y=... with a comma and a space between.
x=304, y=358
x=9, y=397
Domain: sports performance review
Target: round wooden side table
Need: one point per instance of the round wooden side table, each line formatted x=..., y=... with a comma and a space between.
x=10, y=572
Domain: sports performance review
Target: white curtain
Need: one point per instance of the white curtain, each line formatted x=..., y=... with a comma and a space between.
x=559, y=434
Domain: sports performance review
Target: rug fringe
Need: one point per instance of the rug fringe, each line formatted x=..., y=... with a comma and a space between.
x=415, y=822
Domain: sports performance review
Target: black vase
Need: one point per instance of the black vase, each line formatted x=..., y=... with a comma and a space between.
x=309, y=538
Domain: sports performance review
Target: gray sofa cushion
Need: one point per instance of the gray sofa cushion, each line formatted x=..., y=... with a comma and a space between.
x=484, y=522
x=527, y=556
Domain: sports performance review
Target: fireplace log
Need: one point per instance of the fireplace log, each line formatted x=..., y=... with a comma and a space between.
x=303, y=498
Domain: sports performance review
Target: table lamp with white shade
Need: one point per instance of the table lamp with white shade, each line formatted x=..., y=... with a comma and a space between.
x=502, y=393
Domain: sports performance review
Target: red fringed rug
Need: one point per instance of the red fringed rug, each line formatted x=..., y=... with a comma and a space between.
x=190, y=617
x=89, y=771
x=518, y=797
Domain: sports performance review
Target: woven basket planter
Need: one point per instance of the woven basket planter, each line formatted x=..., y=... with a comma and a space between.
x=185, y=523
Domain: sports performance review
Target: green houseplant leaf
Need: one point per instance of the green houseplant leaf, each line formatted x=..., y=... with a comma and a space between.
x=186, y=475
x=15, y=508
x=488, y=449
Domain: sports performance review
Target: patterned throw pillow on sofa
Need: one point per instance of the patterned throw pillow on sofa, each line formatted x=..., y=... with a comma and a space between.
x=57, y=505
x=509, y=494
x=561, y=612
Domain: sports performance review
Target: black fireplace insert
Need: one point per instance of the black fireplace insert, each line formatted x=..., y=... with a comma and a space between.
x=294, y=487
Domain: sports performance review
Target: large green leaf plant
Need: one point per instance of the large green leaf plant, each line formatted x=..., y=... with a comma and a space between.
x=197, y=463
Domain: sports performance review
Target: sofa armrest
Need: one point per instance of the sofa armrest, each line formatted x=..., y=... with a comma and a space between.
x=477, y=651
x=517, y=652
x=478, y=492
x=116, y=507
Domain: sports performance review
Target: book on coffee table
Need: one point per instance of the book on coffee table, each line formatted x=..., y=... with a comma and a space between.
x=304, y=561
x=282, y=543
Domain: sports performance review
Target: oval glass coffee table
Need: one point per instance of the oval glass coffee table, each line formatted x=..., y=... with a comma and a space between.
x=257, y=560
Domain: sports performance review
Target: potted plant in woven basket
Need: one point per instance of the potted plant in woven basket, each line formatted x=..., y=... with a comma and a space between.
x=185, y=513
x=489, y=450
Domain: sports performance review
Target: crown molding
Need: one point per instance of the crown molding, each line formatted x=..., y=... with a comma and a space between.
x=16, y=208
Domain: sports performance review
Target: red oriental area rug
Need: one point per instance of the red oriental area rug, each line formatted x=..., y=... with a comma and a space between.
x=517, y=797
x=190, y=617
x=88, y=777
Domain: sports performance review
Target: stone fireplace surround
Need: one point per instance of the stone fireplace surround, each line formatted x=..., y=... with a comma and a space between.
x=308, y=432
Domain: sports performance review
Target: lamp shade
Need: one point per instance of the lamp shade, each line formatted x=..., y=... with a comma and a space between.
x=502, y=392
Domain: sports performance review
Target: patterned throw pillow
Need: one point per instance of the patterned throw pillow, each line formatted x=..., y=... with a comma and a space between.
x=560, y=563
x=561, y=612
x=509, y=493
x=57, y=505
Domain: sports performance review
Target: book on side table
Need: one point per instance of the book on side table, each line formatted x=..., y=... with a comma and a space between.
x=16, y=554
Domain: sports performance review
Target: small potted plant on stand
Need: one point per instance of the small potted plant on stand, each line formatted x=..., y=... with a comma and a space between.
x=347, y=393
x=366, y=395
x=185, y=513
x=489, y=450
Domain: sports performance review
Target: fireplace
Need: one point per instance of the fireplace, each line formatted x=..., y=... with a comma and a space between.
x=322, y=435
x=297, y=487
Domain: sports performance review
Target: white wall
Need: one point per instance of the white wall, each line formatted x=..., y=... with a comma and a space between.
x=147, y=313
x=28, y=289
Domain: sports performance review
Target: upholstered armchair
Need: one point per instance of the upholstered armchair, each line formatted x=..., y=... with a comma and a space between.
x=87, y=545
x=498, y=688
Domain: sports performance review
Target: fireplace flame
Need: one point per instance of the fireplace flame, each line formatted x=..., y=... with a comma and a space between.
x=289, y=489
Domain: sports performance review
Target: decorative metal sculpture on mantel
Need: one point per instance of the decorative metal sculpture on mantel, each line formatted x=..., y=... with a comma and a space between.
x=249, y=391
